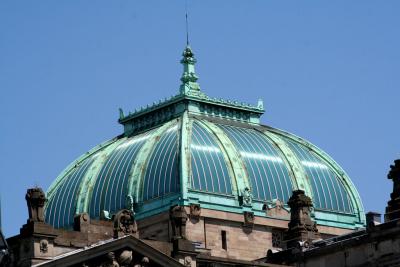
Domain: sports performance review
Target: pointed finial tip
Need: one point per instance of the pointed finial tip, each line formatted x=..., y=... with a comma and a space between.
x=260, y=103
x=187, y=24
x=121, y=113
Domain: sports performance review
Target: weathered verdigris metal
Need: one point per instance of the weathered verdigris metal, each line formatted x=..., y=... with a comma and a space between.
x=193, y=149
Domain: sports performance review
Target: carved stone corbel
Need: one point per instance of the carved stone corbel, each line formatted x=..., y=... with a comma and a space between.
x=248, y=219
x=195, y=211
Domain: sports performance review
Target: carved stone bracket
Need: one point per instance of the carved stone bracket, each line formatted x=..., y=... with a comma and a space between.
x=195, y=211
x=248, y=219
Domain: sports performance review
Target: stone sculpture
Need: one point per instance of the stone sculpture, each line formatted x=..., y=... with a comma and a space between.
x=125, y=223
x=178, y=218
x=393, y=207
x=247, y=197
x=35, y=199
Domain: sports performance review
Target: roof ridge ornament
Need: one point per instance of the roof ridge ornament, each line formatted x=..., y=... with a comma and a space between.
x=189, y=78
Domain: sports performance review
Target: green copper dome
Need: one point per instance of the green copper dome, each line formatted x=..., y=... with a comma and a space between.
x=195, y=149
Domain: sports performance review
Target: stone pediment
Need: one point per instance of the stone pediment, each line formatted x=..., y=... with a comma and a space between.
x=119, y=252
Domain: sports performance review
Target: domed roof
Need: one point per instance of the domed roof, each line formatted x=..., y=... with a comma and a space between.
x=195, y=149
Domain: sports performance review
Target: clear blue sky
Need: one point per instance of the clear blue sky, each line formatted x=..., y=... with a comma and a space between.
x=327, y=70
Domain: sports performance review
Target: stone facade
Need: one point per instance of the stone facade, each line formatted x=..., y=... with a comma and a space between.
x=39, y=242
x=205, y=231
x=172, y=234
x=194, y=236
x=379, y=246
x=239, y=240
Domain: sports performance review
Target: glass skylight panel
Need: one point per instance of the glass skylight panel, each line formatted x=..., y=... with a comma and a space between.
x=329, y=192
x=161, y=176
x=63, y=201
x=173, y=129
x=209, y=171
x=260, y=156
x=267, y=172
x=110, y=189
x=312, y=164
x=133, y=141
x=206, y=148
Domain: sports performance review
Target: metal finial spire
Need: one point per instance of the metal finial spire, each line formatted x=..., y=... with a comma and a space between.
x=187, y=24
x=189, y=78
